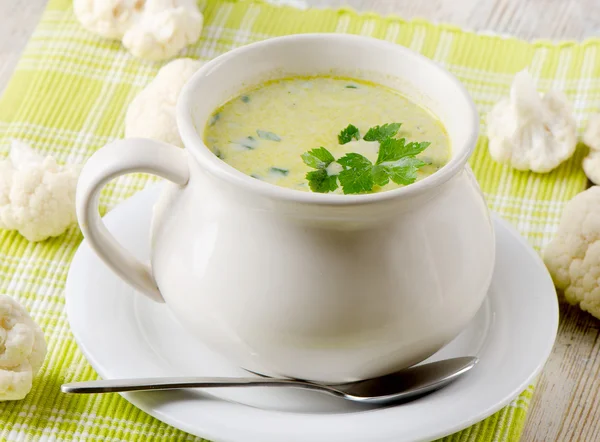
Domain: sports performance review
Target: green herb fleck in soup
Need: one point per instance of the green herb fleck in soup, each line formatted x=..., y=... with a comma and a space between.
x=328, y=134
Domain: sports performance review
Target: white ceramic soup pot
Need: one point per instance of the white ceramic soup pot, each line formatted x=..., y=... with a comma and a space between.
x=324, y=287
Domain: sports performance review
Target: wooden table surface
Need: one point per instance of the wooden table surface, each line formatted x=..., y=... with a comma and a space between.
x=566, y=404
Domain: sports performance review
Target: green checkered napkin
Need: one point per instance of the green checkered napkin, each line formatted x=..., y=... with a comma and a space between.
x=68, y=98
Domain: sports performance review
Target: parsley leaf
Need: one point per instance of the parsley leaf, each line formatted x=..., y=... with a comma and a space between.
x=357, y=175
x=249, y=143
x=415, y=148
x=279, y=171
x=347, y=134
x=396, y=161
x=392, y=149
x=403, y=171
x=320, y=181
x=380, y=133
x=318, y=158
x=381, y=174
x=266, y=135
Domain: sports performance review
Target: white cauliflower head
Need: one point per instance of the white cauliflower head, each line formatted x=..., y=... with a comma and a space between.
x=165, y=27
x=591, y=137
x=149, y=29
x=37, y=196
x=151, y=113
x=22, y=350
x=108, y=18
x=531, y=132
x=573, y=256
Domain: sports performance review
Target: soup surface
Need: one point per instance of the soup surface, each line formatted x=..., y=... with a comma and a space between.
x=265, y=131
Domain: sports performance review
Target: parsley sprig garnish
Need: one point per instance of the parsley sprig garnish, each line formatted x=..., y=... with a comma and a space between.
x=380, y=133
x=347, y=134
x=396, y=161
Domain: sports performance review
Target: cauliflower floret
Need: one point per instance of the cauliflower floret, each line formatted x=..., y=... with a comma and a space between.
x=108, y=18
x=166, y=27
x=152, y=113
x=22, y=350
x=591, y=137
x=149, y=29
x=531, y=132
x=573, y=256
x=37, y=196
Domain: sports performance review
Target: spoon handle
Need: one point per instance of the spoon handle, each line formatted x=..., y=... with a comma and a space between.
x=402, y=384
x=144, y=384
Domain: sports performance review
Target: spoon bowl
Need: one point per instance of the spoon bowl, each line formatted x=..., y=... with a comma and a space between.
x=401, y=386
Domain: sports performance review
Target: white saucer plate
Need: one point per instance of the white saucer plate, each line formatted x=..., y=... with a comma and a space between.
x=124, y=335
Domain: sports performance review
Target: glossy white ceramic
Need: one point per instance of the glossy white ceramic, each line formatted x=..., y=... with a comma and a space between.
x=124, y=334
x=329, y=288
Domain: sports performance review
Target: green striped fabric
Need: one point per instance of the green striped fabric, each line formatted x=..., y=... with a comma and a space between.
x=68, y=98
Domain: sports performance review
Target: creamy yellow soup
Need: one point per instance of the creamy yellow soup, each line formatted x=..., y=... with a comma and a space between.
x=264, y=132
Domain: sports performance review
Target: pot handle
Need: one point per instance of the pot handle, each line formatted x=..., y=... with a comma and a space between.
x=115, y=159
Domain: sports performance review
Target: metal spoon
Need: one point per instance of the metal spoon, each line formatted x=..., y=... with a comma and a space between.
x=400, y=386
